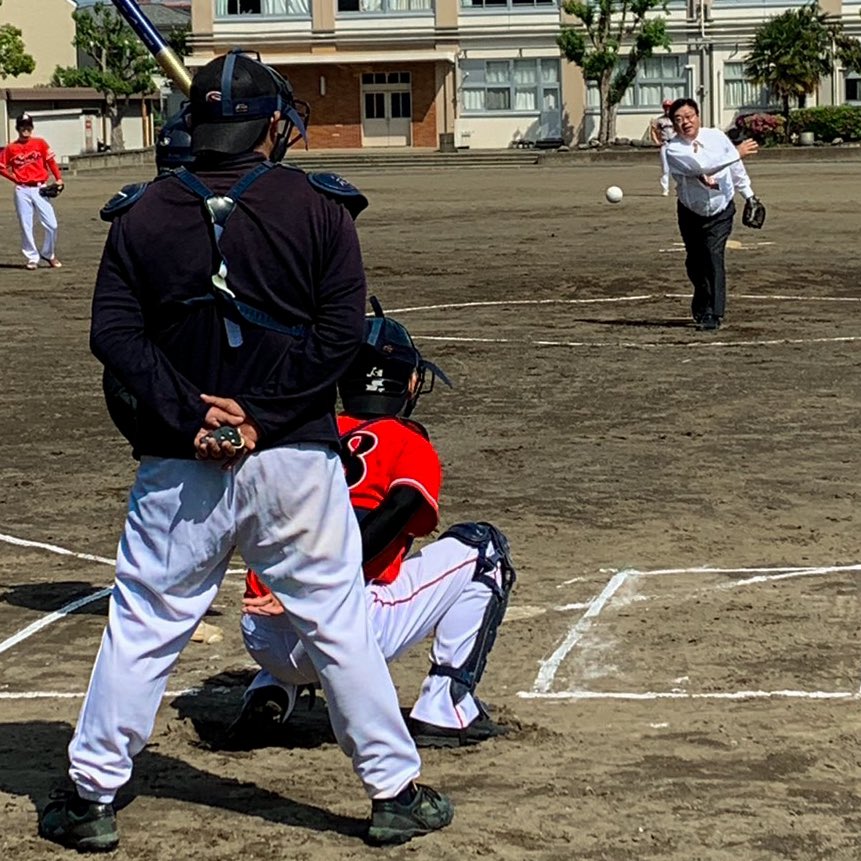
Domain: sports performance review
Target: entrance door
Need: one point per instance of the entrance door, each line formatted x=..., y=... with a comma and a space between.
x=387, y=109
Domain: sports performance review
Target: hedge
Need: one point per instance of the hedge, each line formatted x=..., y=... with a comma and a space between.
x=828, y=122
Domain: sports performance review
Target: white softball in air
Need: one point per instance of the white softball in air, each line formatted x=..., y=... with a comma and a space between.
x=614, y=194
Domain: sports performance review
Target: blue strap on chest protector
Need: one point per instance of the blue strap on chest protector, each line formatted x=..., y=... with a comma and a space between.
x=220, y=207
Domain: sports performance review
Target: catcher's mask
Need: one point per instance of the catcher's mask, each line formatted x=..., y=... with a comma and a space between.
x=380, y=381
x=173, y=147
x=233, y=99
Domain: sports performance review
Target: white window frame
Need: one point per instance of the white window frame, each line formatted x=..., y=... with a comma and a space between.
x=386, y=7
x=229, y=9
x=496, y=5
x=547, y=77
x=752, y=95
x=648, y=90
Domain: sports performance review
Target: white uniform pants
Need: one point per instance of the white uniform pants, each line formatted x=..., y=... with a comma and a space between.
x=287, y=511
x=434, y=593
x=665, y=170
x=29, y=205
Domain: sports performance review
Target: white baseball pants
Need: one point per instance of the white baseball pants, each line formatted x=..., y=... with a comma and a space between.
x=434, y=593
x=287, y=511
x=29, y=205
x=665, y=170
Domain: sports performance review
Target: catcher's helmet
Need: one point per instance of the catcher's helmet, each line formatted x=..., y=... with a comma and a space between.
x=232, y=100
x=173, y=147
x=379, y=381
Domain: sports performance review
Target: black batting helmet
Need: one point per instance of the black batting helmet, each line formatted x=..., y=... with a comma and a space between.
x=379, y=381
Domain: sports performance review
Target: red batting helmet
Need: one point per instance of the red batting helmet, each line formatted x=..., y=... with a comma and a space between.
x=667, y=103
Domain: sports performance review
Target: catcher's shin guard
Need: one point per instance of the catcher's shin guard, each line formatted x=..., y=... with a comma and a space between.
x=482, y=536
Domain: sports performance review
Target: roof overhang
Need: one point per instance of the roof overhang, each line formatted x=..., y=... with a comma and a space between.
x=346, y=58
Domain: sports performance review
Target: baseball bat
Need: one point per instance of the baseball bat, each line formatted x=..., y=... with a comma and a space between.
x=164, y=55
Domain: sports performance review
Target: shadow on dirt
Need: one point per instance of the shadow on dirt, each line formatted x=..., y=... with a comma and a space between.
x=213, y=708
x=49, y=597
x=33, y=760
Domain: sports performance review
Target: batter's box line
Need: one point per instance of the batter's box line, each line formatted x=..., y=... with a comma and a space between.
x=548, y=668
x=76, y=604
x=683, y=695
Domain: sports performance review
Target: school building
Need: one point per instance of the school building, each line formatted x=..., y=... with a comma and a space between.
x=486, y=74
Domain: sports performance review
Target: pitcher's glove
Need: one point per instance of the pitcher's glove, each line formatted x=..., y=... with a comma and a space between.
x=754, y=213
x=51, y=190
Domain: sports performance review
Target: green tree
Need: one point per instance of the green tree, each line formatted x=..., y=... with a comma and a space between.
x=14, y=60
x=123, y=66
x=608, y=43
x=791, y=53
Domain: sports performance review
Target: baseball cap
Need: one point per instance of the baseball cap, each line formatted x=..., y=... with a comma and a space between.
x=232, y=100
x=23, y=120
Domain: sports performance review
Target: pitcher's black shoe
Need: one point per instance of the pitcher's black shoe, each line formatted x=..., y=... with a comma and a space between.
x=709, y=323
x=76, y=823
x=397, y=820
x=431, y=735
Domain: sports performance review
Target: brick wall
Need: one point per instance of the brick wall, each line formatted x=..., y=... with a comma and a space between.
x=336, y=118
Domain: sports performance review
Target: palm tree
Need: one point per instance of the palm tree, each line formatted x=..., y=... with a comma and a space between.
x=791, y=53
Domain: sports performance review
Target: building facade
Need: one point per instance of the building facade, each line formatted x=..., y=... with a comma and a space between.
x=484, y=74
x=48, y=31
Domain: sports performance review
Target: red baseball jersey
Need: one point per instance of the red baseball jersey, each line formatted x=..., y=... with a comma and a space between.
x=379, y=455
x=29, y=162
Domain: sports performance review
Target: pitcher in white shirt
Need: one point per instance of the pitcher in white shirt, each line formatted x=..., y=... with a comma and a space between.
x=707, y=168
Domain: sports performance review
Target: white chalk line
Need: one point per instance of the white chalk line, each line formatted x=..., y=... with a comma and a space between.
x=639, y=297
x=35, y=627
x=53, y=548
x=76, y=695
x=642, y=345
x=76, y=604
x=762, y=575
x=548, y=668
x=682, y=695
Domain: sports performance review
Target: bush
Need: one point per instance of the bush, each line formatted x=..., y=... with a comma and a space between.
x=765, y=129
x=828, y=122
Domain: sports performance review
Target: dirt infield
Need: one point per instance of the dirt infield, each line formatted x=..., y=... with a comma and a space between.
x=689, y=715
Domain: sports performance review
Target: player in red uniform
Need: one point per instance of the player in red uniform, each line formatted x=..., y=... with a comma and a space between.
x=27, y=162
x=456, y=588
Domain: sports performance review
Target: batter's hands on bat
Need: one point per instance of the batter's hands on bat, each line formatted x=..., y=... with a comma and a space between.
x=262, y=605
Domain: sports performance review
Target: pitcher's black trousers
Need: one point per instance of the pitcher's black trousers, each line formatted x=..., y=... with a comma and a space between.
x=705, y=239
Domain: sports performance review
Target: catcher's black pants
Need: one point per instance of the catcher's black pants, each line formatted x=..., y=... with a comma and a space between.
x=705, y=239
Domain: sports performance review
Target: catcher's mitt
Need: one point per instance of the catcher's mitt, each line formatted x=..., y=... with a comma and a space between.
x=52, y=190
x=754, y=213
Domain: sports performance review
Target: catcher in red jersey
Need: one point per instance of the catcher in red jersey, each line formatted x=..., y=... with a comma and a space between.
x=455, y=588
x=27, y=162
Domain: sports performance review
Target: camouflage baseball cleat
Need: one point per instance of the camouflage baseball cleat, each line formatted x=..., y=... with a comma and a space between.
x=394, y=822
x=76, y=823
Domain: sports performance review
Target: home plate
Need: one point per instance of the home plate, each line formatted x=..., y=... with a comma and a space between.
x=523, y=611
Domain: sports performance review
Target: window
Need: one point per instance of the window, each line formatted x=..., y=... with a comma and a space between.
x=658, y=78
x=509, y=86
x=369, y=78
x=496, y=4
x=384, y=6
x=265, y=8
x=853, y=88
x=739, y=92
